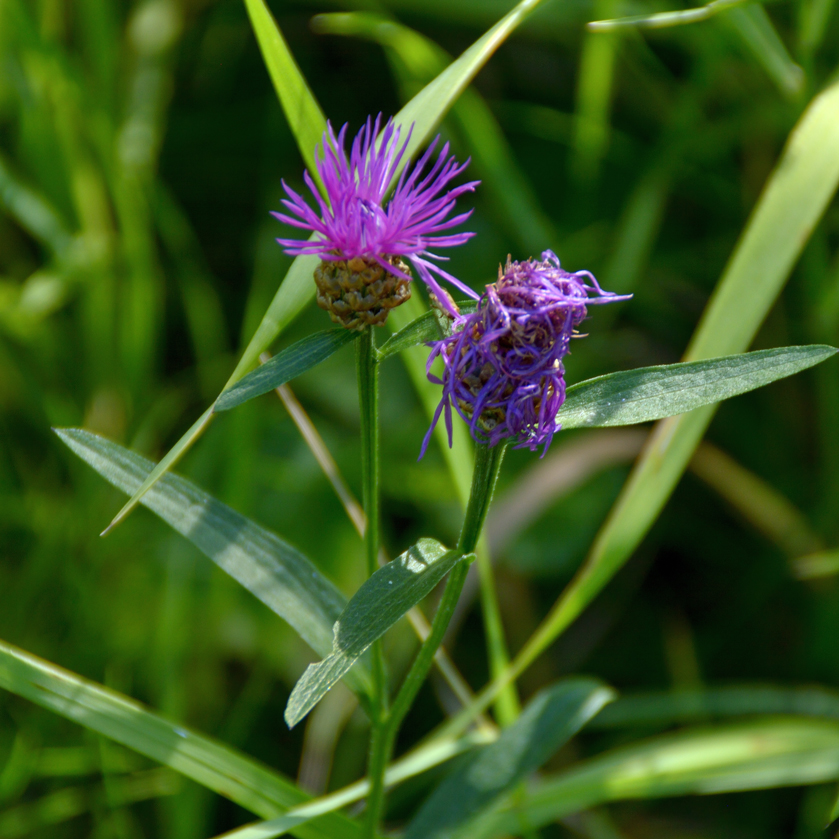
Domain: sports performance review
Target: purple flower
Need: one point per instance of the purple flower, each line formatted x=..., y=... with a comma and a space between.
x=355, y=223
x=503, y=369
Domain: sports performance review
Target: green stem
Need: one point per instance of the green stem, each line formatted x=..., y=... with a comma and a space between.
x=487, y=465
x=368, y=398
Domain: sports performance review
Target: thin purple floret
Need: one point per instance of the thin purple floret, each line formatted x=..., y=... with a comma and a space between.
x=355, y=221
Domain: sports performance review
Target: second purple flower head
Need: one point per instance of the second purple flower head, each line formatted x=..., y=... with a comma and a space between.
x=503, y=370
x=362, y=238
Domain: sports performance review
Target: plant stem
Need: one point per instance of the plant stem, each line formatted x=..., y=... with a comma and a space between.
x=487, y=465
x=368, y=398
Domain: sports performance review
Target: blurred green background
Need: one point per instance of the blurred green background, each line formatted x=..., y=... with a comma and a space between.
x=141, y=150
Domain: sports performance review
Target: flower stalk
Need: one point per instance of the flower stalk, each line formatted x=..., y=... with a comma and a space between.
x=487, y=466
x=368, y=398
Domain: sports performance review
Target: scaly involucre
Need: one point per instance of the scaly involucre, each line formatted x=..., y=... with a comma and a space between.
x=355, y=221
x=503, y=369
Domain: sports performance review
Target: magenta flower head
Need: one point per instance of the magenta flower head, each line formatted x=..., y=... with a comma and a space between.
x=503, y=369
x=361, y=237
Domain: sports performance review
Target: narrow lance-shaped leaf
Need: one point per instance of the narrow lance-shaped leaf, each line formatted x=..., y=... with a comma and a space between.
x=219, y=768
x=285, y=366
x=651, y=393
x=383, y=599
x=551, y=718
x=297, y=290
x=757, y=755
x=421, y=330
x=271, y=569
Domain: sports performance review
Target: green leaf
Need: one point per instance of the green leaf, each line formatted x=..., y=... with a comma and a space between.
x=383, y=599
x=220, y=768
x=285, y=366
x=551, y=718
x=421, y=330
x=271, y=569
x=651, y=393
x=304, y=115
x=758, y=755
x=425, y=110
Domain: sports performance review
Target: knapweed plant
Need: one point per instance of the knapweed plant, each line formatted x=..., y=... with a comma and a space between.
x=381, y=233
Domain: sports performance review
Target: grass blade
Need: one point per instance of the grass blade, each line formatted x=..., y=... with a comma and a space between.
x=551, y=718
x=273, y=571
x=758, y=755
x=652, y=393
x=285, y=366
x=217, y=767
x=665, y=19
x=304, y=115
x=383, y=599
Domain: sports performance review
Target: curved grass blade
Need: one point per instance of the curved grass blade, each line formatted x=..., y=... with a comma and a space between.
x=297, y=290
x=271, y=569
x=665, y=19
x=304, y=115
x=383, y=599
x=219, y=768
x=652, y=393
x=419, y=761
x=285, y=366
x=759, y=755
x=550, y=719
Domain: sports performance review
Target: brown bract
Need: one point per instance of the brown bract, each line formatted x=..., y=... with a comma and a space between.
x=359, y=293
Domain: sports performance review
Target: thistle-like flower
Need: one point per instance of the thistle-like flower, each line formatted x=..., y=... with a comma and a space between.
x=361, y=238
x=503, y=370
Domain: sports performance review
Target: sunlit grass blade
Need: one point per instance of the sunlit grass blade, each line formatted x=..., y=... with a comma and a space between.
x=816, y=565
x=304, y=115
x=419, y=761
x=652, y=393
x=550, y=719
x=383, y=599
x=664, y=19
x=285, y=366
x=767, y=753
x=271, y=569
x=219, y=768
